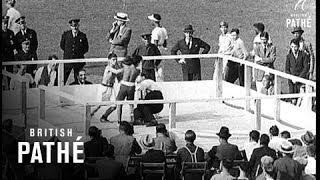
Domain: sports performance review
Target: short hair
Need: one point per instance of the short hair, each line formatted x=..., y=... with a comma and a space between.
x=295, y=142
x=311, y=150
x=236, y=30
x=227, y=163
x=274, y=130
x=259, y=26
x=268, y=77
x=161, y=128
x=53, y=57
x=93, y=131
x=264, y=139
x=126, y=127
x=295, y=41
x=112, y=55
x=285, y=134
x=190, y=136
x=254, y=135
x=265, y=35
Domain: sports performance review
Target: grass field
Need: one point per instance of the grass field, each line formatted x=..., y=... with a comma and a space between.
x=50, y=18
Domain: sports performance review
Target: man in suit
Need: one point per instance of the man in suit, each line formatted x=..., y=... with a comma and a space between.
x=265, y=55
x=191, y=68
x=297, y=64
x=25, y=54
x=81, y=78
x=26, y=32
x=74, y=44
x=120, y=35
x=47, y=75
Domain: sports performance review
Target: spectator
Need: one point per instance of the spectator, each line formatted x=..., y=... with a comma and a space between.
x=120, y=35
x=297, y=64
x=275, y=141
x=163, y=141
x=124, y=143
x=81, y=78
x=110, y=169
x=13, y=14
x=223, y=151
x=148, y=49
x=98, y=146
x=244, y=171
x=259, y=29
x=159, y=37
x=148, y=90
x=268, y=169
x=306, y=47
x=191, y=69
x=252, y=144
x=258, y=153
x=225, y=166
x=264, y=55
x=25, y=54
x=25, y=32
x=308, y=138
x=311, y=160
x=235, y=70
x=224, y=43
x=24, y=76
x=7, y=43
x=189, y=153
x=47, y=75
x=286, y=167
x=299, y=150
x=74, y=44
x=267, y=85
x=285, y=135
x=304, y=163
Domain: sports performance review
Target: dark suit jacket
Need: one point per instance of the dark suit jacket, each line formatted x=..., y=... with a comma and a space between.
x=298, y=67
x=22, y=56
x=96, y=147
x=149, y=50
x=7, y=45
x=74, y=48
x=121, y=40
x=110, y=169
x=223, y=151
x=256, y=156
x=32, y=36
x=267, y=59
x=192, y=65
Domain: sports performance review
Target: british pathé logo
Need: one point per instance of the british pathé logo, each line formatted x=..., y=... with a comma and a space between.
x=300, y=4
x=301, y=15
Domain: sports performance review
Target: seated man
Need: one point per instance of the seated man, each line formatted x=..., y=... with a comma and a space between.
x=26, y=77
x=148, y=91
x=163, y=141
x=98, y=146
x=267, y=85
x=47, y=75
x=81, y=80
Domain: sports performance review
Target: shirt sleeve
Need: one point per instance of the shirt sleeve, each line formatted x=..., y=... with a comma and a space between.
x=154, y=35
x=37, y=76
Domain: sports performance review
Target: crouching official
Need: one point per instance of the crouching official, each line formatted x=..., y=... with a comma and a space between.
x=147, y=90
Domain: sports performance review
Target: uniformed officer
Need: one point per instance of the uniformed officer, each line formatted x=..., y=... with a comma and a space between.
x=74, y=44
x=7, y=43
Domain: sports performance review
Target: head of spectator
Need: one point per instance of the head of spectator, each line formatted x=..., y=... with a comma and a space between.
x=267, y=81
x=267, y=167
x=7, y=125
x=74, y=25
x=244, y=170
x=223, y=27
x=190, y=137
x=112, y=58
x=311, y=150
x=25, y=44
x=259, y=27
x=226, y=165
x=286, y=148
x=155, y=19
x=141, y=77
x=188, y=31
x=297, y=32
x=234, y=33
x=223, y=134
x=264, y=140
x=294, y=45
x=22, y=69
x=5, y=20
x=295, y=142
x=122, y=18
x=146, y=38
x=126, y=128
x=285, y=134
x=147, y=142
x=254, y=135
x=22, y=22
x=136, y=59
x=274, y=131
x=264, y=36
x=10, y=3
x=93, y=132
x=162, y=130
x=308, y=138
x=52, y=64
x=82, y=75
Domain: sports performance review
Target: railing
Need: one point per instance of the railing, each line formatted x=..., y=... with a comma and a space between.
x=172, y=103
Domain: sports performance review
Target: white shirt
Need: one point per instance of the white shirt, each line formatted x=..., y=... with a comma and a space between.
x=14, y=84
x=249, y=147
x=160, y=34
x=311, y=166
x=257, y=40
x=52, y=74
x=189, y=41
x=13, y=16
x=275, y=143
x=145, y=85
x=224, y=43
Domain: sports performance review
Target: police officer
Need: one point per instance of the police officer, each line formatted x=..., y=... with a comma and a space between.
x=74, y=44
x=7, y=43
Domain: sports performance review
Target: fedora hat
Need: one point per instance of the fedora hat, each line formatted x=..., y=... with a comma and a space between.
x=224, y=132
x=188, y=28
x=154, y=17
x=286, y=147
x=297, y=29
x=147, y=141
x=127, y=60
x=308, y=138
x=121, y=16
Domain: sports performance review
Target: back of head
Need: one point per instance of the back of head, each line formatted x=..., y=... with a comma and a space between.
x=265, y=35
x=161, y=128
x=264, y=139
x=259, y=26
x=112, y=55
x=126, y=128
x=136, y=59
x=93, y=132
x=254, y=135
x=190, y=136
x=236, y=30
x=285, y=134
x=227, y=163
x=274, y=130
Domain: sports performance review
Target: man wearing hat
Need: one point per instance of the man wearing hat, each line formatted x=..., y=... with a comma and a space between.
x=148, y=49
x=152, y=155
x=286, y=167
x=191, y=68
x=13, y=15
x=225, y=150
x=307, y=48
x=25, y=54
x=119, y=35
x=74, y=44
x=26, y=32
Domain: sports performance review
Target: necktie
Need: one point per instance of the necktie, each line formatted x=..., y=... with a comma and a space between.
x=189, y=43
x=265, y=51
